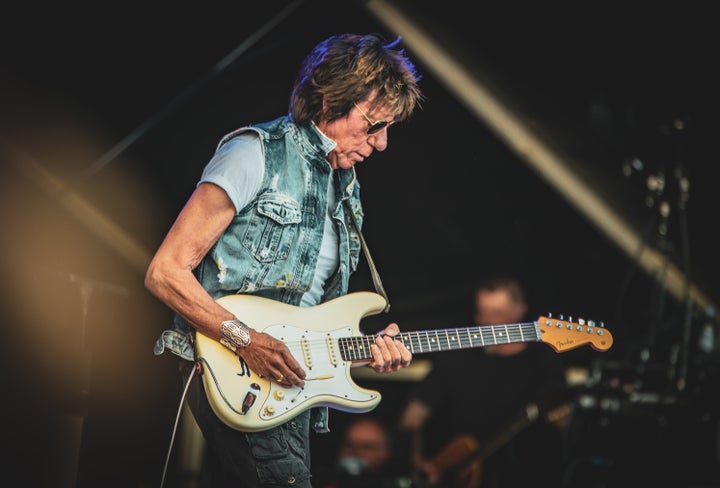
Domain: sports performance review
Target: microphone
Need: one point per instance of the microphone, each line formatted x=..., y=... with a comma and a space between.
x=706, y=340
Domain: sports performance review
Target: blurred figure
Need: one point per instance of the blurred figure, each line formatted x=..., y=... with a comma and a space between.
x=365, y=459
x=468, y=417
x=365, y=448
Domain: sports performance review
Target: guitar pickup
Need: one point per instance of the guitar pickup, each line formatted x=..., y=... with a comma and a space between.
x=331, y=350
x=307, y=354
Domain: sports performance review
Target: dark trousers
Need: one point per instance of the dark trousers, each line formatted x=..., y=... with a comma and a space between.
x=276, y=457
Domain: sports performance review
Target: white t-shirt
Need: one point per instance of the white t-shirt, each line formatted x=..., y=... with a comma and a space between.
x=238, y=168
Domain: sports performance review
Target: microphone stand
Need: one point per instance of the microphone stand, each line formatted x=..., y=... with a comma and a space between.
x=656, y=187
x=684, y=348
x=75, y=420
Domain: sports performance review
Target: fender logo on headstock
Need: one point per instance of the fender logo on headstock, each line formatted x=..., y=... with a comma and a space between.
x=562, y=334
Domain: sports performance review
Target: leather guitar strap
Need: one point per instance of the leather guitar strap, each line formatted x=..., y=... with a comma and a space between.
x=377, y=282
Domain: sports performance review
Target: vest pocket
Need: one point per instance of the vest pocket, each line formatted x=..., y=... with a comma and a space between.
x=272, y=227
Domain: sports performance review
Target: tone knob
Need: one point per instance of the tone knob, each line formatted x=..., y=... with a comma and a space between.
x=269, y=410
x=279, y=395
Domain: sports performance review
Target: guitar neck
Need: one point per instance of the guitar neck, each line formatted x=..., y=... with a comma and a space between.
x=425, y=341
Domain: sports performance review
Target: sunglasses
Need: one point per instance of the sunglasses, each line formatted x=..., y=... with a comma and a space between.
x=375, y=125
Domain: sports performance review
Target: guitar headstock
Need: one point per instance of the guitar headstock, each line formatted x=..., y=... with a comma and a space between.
x=563, y=335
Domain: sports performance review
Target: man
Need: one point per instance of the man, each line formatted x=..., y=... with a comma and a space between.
x=471, y=397
x=269, y=217
x=366, y=442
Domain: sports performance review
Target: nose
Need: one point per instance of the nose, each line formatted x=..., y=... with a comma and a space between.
x=379, y=140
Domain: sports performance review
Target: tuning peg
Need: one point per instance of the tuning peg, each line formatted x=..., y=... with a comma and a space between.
x=581, y=321
x=561, y=317
x=591, y=323
x=549, y=315
x=570, y=318
x=602, y=324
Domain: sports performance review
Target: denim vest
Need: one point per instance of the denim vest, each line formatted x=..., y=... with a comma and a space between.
x=271, y=247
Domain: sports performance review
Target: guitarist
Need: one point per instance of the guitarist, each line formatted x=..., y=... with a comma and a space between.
x=470, y=394
x=269, y=217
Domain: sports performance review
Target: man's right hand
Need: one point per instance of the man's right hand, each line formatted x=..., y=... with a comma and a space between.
x=272, y=359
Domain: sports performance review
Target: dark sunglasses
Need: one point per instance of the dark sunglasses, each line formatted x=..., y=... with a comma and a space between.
x=375, y=125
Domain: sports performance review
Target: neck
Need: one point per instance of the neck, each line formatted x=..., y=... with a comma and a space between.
x=418, y=342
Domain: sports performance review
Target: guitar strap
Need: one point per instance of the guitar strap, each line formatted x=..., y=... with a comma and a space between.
x=377, y=282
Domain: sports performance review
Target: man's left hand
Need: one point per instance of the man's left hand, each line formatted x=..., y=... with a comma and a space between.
x=389, y=354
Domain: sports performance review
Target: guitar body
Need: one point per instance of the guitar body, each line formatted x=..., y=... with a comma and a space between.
x=245, y=401
x=460, y=464
x=454, y=463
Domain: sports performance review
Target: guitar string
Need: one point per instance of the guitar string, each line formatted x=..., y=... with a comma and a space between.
x=425, y=344
x=484, y=330
x=417, y=345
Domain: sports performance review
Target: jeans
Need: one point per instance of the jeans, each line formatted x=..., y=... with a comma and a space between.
x=275, y=457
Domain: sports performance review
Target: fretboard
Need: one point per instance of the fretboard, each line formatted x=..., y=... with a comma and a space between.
x=424, y=341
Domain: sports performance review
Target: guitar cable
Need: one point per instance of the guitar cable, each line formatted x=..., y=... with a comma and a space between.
x=177, y=420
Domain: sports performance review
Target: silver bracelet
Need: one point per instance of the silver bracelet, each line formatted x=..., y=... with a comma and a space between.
x=234, y=334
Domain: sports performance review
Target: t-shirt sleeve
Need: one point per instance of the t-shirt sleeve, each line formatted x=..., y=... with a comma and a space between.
x=237, y=167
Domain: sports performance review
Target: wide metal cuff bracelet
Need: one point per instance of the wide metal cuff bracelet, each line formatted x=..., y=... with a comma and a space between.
x=234, y=334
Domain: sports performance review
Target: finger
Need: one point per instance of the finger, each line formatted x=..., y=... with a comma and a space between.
x=292, y=378
x=385, y=344
x=383, y=358
x=405, y=355
x=392, y=348
x=276, y=375
x=285, y=375
x=391, y=330
x=295, y=370
x=378, y=363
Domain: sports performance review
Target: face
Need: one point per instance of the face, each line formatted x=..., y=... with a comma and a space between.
x=354, y=144
x=497, y=307
x=366, y=441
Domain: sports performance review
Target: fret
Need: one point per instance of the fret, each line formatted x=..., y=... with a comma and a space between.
x=341, y=346
x=361, y=343
x=355, y=348
x=492, y=329
x=482, y=339
x=411, y=345
x=351, y=351
x=453, y=338
x=435, y=341
x=507, y=334
x=522, y=337
x=447, y=338
x=360, y=347
x=419, y=338
x=469, y=337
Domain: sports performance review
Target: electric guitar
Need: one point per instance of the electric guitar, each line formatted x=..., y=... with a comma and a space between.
x=326, y=341
x=460, y=463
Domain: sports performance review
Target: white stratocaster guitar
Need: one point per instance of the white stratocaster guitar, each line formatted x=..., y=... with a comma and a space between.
x=327, y=342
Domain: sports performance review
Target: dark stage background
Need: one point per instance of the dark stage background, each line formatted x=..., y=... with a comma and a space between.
x=446, y=204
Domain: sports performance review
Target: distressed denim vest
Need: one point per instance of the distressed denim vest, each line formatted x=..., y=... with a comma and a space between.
x=271, y=247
